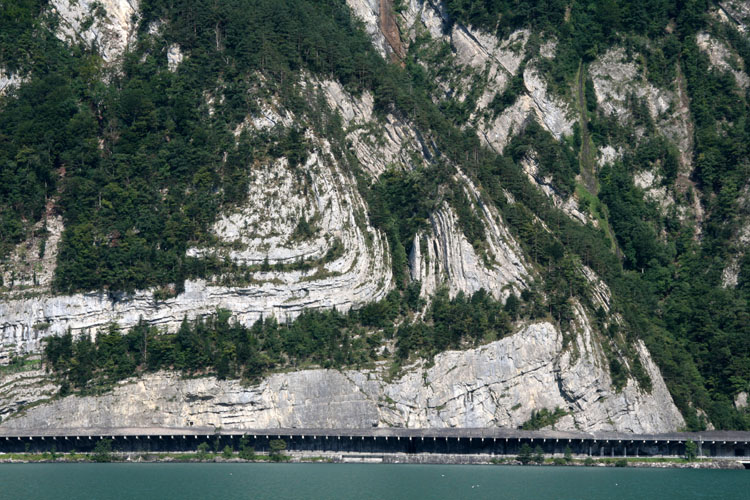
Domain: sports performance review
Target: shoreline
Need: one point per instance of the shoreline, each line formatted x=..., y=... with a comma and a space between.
x=371, y=458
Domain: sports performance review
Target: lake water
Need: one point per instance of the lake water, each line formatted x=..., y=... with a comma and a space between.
x=352, y=481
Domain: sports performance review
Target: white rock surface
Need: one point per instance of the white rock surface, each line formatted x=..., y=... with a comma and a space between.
x=654, y=190
x=359, y=273
x=111, y=23
x=550, y=112
x=369, y=12
x=443, y=256
x=9, y=81
x=479, y=53
x=608, y=154
x=740, y=401
x=27, y=387
x=174, y=57
x=721, y=56
x=615, y=78
x=737, y=13
x=376, y=143
x=497, y=385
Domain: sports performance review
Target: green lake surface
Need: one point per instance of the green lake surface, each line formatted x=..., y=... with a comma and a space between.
x=354, y=481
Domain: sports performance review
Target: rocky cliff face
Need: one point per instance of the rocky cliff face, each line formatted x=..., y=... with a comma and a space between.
x=495, y=385
x=258, y=233
x=479, y=60
x=442, y=256
x=349, y=263
x=105, y=24
x=499, y=384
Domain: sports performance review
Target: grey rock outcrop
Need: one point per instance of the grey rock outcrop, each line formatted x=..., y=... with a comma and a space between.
x=106, y=24
x=442, y=256
x=722, y=57
x=376, y=143
x=9, y=81
x=356, y=271
x=497, y=385
x=479, y=54
x=27, y=387
x=736, y=12
x=618, y=83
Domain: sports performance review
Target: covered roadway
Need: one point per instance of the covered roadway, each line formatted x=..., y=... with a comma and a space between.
x=493, y=441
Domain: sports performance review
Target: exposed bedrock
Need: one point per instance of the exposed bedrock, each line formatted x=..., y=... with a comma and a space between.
x=497, y=385
x=105, y=24
x=351, y=264
x=443, y=256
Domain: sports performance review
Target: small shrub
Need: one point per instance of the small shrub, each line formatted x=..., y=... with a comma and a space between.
x=524, y=456
x=691, y=450
x=247, y=452
x=277, y=447
x=203, y=451
x=538, y=455
x=103, y=451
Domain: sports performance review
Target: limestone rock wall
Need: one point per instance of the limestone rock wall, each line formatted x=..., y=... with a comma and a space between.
x=442, y=256
x=481, y=55
x=350, y=263
x=376, y=143
x=617, y=80
x=106, y=24
x=497, y=385
x=27, y=387
x=736, y=12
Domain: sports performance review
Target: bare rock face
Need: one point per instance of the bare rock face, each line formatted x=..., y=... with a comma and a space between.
x=443, y=255
x=736, y=12
x=174, y=57
x=369, y=12
x=20, y=389
x=740, y=401
x=106, y=24
x=617, y=84
x=9, y=81
x=313, y=213
x=376, y=143
x=617, y=79
x=497, y=385
x=722, y=57
x=478, y=54
x=350, y=263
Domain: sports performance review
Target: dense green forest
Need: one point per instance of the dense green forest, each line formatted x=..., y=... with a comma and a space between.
x=136, y=164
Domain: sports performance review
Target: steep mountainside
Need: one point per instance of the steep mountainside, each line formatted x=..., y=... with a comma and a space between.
x=373, y=212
